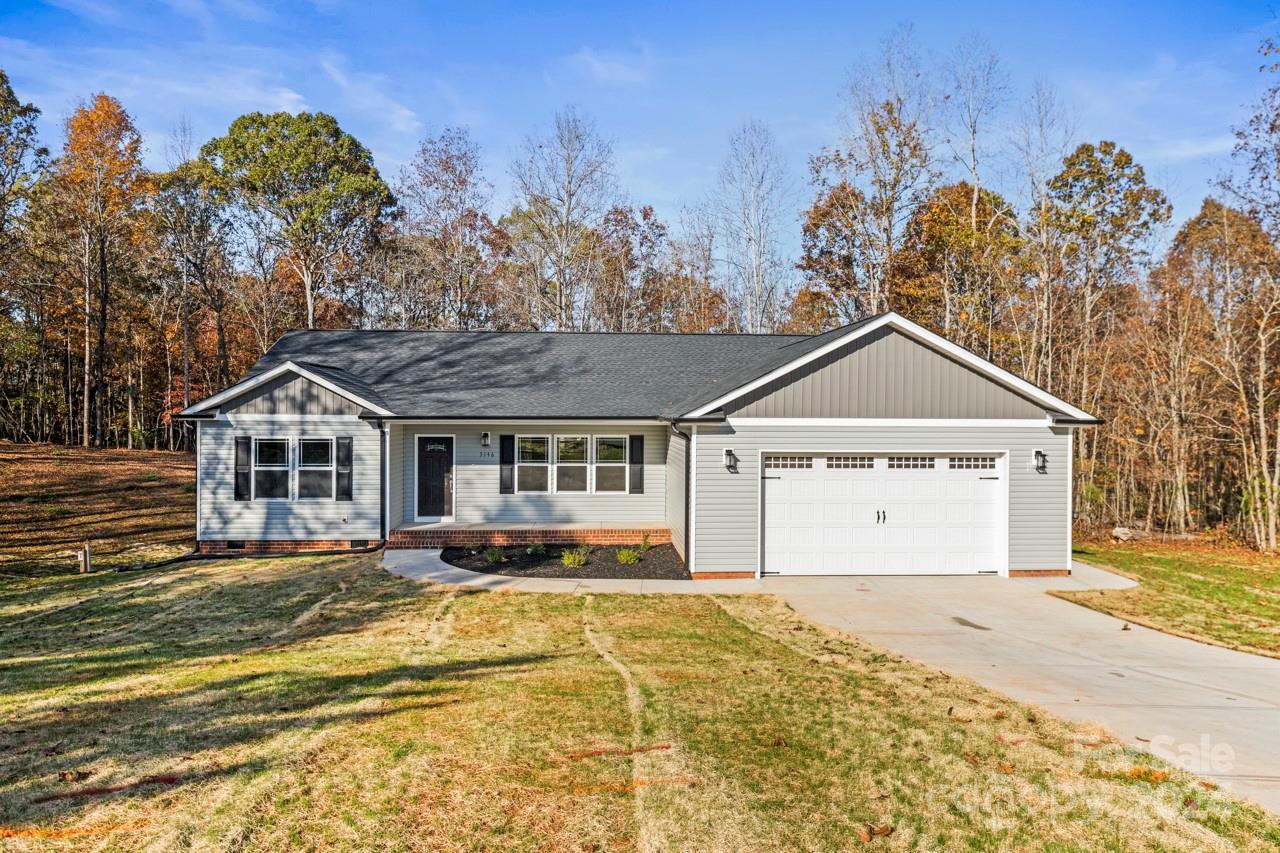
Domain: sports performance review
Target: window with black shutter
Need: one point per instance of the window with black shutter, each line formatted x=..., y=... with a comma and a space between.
x=506, y=464
x=637, y=464
x=244, y=468
x=343, y=443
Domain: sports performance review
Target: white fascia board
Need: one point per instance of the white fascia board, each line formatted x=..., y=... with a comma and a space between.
x=1003, y=423
x=922, y=335
x=262, y=378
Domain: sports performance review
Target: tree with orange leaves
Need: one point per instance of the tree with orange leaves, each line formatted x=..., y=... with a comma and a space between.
x=101, y=186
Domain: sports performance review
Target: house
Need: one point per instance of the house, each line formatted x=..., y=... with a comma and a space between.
x=876, y=448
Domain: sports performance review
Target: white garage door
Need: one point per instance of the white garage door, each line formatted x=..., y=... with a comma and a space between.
x=904, y=514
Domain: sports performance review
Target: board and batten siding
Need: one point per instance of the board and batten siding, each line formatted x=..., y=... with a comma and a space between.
x=221, y=516
x=476, y=468
x=290, y=394
x=884, y=374
x=677, y=473
x=727, y=509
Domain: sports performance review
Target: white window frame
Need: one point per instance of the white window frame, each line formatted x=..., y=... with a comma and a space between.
x=548, y=464
x=625, y=465
x=287, y=468
x=585, y=464
x=332, y=466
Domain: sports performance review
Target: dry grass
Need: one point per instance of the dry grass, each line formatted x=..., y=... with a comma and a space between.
x=131, y=505
x=319, y=703
x=1224, y=596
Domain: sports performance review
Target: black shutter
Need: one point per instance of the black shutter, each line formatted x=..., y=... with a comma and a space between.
x=636, y=456
x=244, y=467
x=506, y=464
x=343, y=443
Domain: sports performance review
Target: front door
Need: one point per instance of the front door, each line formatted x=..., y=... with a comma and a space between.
x=435, y=476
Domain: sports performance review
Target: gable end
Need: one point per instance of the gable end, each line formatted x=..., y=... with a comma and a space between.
x=291, y=394
x=885, y=374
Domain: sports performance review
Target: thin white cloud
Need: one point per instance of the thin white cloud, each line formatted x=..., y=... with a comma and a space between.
x=367, y=93
x=1193, y=148
x=614, y=68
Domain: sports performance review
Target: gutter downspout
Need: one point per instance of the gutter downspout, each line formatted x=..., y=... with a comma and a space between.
x=688, y=474
x=382, y=479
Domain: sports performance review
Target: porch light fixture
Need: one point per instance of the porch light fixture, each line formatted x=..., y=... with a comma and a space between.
x=730, y=460
x=484, y=439
x=1039, y=461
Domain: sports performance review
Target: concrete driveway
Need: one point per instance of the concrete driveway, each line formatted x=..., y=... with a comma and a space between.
x=1211, y=710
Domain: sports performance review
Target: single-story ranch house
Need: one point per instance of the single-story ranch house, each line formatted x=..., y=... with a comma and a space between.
x=876, y=448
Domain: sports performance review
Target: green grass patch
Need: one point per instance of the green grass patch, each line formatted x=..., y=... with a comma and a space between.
x=1225, y=596
x=320, y=703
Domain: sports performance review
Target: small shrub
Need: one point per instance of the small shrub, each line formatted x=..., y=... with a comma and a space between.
x=645, y=544
x=189, y=488
x=494, y=555
x=537, y=549
x=628, y=556
x=576, y=557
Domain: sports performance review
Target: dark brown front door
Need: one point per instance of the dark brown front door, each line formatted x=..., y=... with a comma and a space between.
x=435, y=476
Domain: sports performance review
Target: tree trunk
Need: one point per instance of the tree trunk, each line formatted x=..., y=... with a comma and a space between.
x=100, y=369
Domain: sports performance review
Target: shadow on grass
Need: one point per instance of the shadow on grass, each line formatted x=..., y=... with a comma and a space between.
x=235, y=668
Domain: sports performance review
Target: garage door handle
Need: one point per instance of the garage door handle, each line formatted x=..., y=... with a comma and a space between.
x=988, y=478
x=770, y=478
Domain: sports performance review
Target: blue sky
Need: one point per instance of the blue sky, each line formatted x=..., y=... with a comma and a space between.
x=666, y=83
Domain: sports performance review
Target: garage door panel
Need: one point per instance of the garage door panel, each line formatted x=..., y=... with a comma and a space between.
x=922, y=516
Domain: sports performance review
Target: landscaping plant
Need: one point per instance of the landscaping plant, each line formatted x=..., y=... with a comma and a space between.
x=628, y=556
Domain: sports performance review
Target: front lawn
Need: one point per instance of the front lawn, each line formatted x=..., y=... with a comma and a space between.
x=321, y=703
x=1225, y=596
x=131, y=506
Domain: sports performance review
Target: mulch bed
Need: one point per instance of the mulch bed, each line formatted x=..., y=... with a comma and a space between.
x=661, y=562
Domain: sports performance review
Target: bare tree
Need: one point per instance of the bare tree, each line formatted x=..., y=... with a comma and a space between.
x=752, y=200
x=1043, y=138
x=566, y=186
x=886, y=157
x=446, y=199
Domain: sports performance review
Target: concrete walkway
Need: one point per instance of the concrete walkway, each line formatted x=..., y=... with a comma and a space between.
x=426, y=565
x=1214, y=711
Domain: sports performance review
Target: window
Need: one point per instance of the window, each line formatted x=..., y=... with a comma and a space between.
x=910, y=461
x=611, y=463
x=986, y=463
x=315, y=469
x=533, y=456
x=851, y=462
x=571, y=463
x=271, y=469
x=788, y=462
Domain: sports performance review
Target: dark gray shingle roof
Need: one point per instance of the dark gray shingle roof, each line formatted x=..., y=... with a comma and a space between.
x=537, y=374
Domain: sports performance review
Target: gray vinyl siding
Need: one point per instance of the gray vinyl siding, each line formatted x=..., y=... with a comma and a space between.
x=223, y=517
x=727, y=506
x=676, y=473
x=290, y=394
x=397, y=504
x=884, y=374
x=476, y=497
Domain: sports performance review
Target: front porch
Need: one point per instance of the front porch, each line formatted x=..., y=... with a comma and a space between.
x=459, y=534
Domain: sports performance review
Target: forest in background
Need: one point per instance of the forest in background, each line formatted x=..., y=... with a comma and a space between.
x=126, y=293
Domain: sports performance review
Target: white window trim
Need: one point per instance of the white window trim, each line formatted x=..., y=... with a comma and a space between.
x=549, y=465
x=585, y=464
x=625, y=465
x=332, y=467
x=287, y=468
x=453, y=494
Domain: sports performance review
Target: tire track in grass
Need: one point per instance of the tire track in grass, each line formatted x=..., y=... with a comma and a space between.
x=646, y=760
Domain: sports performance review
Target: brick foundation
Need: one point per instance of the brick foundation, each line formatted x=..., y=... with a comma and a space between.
x=446, y=537
x=278, y=546
x=1039, y=573
x=722, y=576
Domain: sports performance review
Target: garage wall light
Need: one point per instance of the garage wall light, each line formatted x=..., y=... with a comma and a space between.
x=1039, y=461
x=730, y=460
